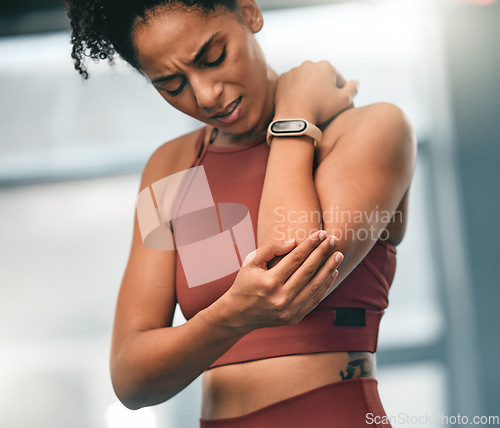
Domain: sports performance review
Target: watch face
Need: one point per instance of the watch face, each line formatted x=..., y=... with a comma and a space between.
x=286, y=126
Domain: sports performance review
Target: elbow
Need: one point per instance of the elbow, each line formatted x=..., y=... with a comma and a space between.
x=133, y=397
x=129, y=402
x=127, y=391
x=134, y=393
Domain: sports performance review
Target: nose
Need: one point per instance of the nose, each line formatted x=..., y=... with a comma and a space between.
x=207, y=92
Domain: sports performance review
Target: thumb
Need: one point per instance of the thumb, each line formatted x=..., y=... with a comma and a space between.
x=269, y=251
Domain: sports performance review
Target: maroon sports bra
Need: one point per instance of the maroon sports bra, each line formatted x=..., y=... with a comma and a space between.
x=347, y=320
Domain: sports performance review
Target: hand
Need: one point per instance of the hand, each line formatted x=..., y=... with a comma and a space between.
x=316, y=92
x=287, y=292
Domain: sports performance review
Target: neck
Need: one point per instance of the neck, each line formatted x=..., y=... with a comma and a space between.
x=266, y=117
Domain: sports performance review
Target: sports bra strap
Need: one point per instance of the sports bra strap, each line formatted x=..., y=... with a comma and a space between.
x=207, y=136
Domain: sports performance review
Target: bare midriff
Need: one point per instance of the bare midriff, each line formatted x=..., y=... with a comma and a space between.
x=237, y=389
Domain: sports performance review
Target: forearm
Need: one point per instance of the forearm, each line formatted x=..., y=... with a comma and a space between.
x=289, y=206
x=154, y=365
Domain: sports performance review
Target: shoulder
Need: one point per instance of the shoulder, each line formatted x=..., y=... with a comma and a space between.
x=384, y=123
x=373, y=111
x=171, y=157
x=380, y=131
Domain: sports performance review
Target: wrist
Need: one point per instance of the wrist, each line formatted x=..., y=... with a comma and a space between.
x=294, y=128
x=222, y=318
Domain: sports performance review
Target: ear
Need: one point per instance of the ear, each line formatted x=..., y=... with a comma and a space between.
x=251, y=14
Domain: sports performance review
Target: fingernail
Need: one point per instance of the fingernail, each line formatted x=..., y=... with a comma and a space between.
x=335, y=273
x=333, y=241
x=289, y=241
x=250, y=256
x=339, y=257
x=322, y=235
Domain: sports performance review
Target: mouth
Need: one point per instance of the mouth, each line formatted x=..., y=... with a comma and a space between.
x=228, y=111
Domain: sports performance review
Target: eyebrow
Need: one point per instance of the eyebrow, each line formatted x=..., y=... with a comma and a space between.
x=196, y=58
x=205, y=47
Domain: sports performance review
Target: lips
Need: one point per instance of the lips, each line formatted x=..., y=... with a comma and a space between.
x=228, y=110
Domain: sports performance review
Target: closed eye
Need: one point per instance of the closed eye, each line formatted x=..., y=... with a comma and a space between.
x=178, y=90
x=174, y=92
x=217, y=62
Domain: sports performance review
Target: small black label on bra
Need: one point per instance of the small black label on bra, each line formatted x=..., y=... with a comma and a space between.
x=349, y=317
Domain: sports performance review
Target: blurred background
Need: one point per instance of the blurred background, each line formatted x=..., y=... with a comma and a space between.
x=71, y=154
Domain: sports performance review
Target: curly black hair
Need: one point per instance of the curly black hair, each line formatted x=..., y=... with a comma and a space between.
x=101, y=28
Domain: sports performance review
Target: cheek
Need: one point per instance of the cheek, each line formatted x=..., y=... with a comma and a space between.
x=181, y=103
x=252, y=71
x=257, y=66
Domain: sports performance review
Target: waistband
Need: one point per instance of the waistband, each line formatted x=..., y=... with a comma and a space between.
x=352, y=403
x=316, y=333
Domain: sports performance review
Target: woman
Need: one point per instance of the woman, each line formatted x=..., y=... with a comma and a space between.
x=319, y=197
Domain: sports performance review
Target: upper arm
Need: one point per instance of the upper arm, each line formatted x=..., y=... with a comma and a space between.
x=146, y=298
x=361, y=182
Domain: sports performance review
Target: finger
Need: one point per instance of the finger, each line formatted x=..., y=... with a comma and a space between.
x=250, y=256
x=351, y=88
x=339, y=80
x=315, y=284
x=338, y=77
x=328, y=286
x=269, y=251
x=307, y=271
x=289, y=264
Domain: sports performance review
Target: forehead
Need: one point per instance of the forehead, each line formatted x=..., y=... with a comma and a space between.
x=173, y=35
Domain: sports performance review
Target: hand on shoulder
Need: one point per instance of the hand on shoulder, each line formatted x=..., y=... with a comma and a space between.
x=316, y=92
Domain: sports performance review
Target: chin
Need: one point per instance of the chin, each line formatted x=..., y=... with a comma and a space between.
x=239, y=128
x=255, y=122
x=242, y=130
